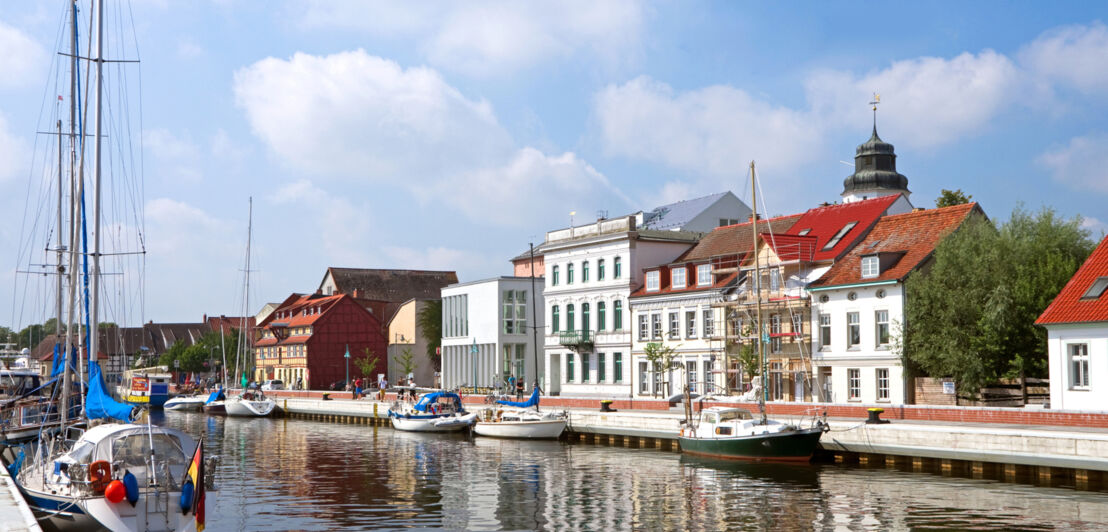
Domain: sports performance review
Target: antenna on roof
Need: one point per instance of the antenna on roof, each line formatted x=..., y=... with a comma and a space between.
x=601, y=215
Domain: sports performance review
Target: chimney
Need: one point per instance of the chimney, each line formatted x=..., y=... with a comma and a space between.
x=318, y=291
x=755, y=217
x=355, y=293
x=825, y=204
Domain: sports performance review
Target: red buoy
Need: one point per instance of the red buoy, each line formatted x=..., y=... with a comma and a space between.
x=115, y=492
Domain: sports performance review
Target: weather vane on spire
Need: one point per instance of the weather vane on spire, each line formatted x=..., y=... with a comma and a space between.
x=876, y=101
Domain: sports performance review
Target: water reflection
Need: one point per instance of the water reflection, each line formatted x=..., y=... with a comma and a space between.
x=281, y=474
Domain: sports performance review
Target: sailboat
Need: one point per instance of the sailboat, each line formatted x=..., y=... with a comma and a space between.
x=249, y=403
x=519, y=421
x=117, y=474
x=735, y=433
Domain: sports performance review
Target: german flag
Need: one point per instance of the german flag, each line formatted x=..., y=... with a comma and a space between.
x=195, y=473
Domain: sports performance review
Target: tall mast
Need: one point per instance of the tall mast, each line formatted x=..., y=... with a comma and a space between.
x=94, y=313
x=758, y=293
x=75, y=188
x=243, y=330
x=59, y=252
x=534, y=318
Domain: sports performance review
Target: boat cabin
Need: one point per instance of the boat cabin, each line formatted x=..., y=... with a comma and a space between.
x=17, y=383
x=722, y=422
x=146, y=386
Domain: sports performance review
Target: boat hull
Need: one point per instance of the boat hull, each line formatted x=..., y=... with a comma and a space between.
x=97, y=513
x=432, y=424
x=789, y=446
x=217, y=408
x=536, y=430
x=245, y=408
x=185, y=403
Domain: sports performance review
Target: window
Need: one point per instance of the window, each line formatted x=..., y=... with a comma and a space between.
x=882, y=384
x=798, y=326
x=1096, y=289
x=853, y=329
x=824, y=330
x=704, y=275
x=881, y=317
x=569, y=273
x=569, y=318
x=656, y=326
x=690, y=373
x=775, y=333
x=774, y=280
x=839, y=236
x=870, y=266
x=554, y=319
x=644, y=379
x=617, y=367
x=707, y=388
x=727, y=221
x=585, y=325
x=709, y=323
x=569, y=367
x=776, y=382
x=618, y=264
x=652, y=281
x=1079, y=365
x=854, y=384
x=600, y=376
x=644, y=333
x=674, y=326
x=584, y=367
x=585, y=272
x=554, y=275
x=617, y=321
x=678, y=277
x=601, y=322
x=600, y=269
x=690, y=324
x=515, y=312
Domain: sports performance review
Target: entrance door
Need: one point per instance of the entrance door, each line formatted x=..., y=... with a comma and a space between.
x=554, y=384
x=825, y=385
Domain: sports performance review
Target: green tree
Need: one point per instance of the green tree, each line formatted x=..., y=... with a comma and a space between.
x=950, y=198
x=407, y=361
x=971, y=312
x=429, y=321
x=367, y=364
x=748, y=357
x=660, y=358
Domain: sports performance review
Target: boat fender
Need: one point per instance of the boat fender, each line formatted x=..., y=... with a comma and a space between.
x=131, y=483
x=115, y=492
x=186, y=496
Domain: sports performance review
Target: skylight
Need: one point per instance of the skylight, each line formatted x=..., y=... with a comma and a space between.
x=804, y=232
x=839, y=236
x=1097, y=289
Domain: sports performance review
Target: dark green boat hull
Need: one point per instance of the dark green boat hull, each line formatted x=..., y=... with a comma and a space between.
x=792, y=446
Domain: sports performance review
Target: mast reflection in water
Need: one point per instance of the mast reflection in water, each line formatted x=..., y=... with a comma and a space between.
x=279, y=474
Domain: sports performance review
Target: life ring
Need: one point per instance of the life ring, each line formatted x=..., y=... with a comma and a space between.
x=99, y=474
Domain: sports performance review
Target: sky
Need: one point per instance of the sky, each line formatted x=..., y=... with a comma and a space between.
x=449, y=135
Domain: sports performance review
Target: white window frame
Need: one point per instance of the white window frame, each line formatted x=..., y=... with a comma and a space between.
x=709, y=322
x=1077, y=356
x=677, y=277
x=674, y=325
x=824, y=331
x=644, y=327
x=653, y=281
x=853, y=330
x=871, y=267
x=656, y=326
x=878, y=324
x=882, y=376
x=690, y=324
x=854, y=384
x=704, y=275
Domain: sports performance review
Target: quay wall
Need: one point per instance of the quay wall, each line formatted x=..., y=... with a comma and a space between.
x=15, y=514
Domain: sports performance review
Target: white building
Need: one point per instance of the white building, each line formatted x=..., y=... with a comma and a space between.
x=858, y=307
x=488, y=331
x=1077, y=337
x=591, y=271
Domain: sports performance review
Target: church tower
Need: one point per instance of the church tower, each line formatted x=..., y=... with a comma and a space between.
x=874, y=170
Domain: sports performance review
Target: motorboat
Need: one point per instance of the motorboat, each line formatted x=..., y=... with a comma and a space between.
x=251, y=403
x=518, y=420
x=433, y=412
x=180, y=403
x=146, y=386
x=724, y=432
x=121, y=476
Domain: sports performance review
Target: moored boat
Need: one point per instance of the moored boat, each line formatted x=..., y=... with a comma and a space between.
x=250, y=404
x=434, y=412
x=146, y=386
x=518, y=421
x=734, y=433
x=186, y=403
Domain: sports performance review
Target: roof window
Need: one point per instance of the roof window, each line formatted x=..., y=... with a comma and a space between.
x=839, y=236
x=805, y=231
x=1097, y=289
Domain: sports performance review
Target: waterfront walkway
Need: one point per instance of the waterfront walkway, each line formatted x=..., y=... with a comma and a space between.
x=15, y=515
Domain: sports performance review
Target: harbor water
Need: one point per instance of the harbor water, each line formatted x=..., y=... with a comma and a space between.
x=288, y=474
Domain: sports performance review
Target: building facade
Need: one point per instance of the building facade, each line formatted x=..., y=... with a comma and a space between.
x=489, y=332
x=408, y=346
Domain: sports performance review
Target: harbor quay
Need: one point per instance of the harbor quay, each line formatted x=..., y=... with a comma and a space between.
x=1036, y=446
x=15, y=515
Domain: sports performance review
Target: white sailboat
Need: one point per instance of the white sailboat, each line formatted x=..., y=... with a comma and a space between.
x=519, y=421
x=116, y=475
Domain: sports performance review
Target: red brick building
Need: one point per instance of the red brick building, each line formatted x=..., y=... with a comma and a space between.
x=307, y=336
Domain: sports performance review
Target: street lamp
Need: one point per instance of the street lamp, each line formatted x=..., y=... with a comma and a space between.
x=347, y=357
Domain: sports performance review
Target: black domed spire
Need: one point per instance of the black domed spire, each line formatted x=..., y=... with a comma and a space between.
x=874, y=171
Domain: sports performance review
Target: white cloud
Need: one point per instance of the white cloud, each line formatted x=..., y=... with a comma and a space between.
x=176, y=158
x=926, y=101
x=22, y=59
x=359, y=116
x=343, y=231
x=1097, y=227
x=1081, y=165
x=493, y=38
x=1070, y=55
x=441, y=258
x=188, y=49
x=13, y=152
x=716, y=130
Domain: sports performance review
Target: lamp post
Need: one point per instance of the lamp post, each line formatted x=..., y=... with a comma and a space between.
x=473, y=350
x=347, y=357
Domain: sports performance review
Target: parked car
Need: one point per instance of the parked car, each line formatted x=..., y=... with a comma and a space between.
x=275, y=384
x=338, y=385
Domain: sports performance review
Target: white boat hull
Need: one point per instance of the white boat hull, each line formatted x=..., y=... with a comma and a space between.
x=248, y=408
x=185, y=403
x=453, y=423
x=539, y=430
x=96, y=513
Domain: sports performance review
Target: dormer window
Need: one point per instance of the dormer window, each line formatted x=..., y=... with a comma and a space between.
x=678, y=277
x=871, y=266
x=1097, y=289
x=839, y=236
x=652, y=279
x=704, y=275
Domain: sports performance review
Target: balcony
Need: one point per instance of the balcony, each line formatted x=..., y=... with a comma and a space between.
x=576, y=340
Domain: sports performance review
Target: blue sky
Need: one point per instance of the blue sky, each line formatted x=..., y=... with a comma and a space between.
x=449, y=135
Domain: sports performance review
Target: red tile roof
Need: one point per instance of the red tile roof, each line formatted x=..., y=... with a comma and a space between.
x=913, y=236
x=824, y=223
x=1070, y=306
x=734, y=239
x=300, y=310
x=791, y=247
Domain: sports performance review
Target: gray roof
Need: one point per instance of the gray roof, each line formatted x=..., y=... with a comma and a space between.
x=396, y=286
x=676, y=215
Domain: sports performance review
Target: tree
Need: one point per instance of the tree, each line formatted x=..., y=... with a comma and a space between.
x=367, y=364
x=429, y=321
x=950, y=198
x=751, y=364
x=405, y=359
x=970, y=314
x=660, y=357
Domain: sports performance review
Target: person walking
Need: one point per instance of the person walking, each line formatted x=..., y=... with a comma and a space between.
x=357, y=387
x=519, y=389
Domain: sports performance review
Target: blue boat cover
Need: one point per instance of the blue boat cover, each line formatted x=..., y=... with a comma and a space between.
x=99, y=404
x=533, y=401
x=427, y=400
x=59, y=361
x=215, y=396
